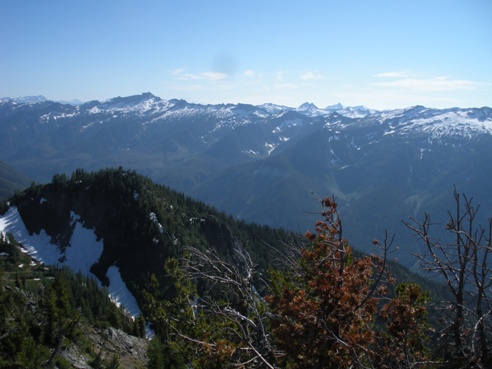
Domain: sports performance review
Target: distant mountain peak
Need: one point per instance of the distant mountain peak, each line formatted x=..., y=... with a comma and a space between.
x=132, y=99
x=136, y=103
x=74, y=102
x=25, y=99
x=334, y=107
x=147, y=108
x=308, y=106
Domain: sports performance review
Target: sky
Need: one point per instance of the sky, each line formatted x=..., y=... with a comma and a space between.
x=382, y=54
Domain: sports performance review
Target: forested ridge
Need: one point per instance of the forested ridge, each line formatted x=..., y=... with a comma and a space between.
x=220, y=293
x=141, y=223
x=46, y=310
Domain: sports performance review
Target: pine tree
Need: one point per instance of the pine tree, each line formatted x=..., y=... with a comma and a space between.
x=326, y=306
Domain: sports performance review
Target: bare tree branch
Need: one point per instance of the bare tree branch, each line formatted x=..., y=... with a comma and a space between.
x=463, y=265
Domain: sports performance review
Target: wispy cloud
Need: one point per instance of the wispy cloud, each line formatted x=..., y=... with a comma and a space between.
x=311, y=76
x=285, y=86
x=186, y=87
x=281, y=74
x=182, y=75
x=249, y=73
x=436, y=84
x=392, y=75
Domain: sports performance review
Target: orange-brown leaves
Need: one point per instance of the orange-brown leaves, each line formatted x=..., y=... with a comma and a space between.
x=406, y=336
x=325, y=320
x=326, y=314
x=310, y=236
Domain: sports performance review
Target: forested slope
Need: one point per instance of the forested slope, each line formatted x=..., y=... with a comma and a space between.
x=54, y=318
x=219, y=292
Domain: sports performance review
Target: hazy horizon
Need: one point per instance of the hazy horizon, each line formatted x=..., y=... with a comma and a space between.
x=379, y=54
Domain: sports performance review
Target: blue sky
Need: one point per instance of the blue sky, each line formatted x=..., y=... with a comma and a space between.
x=380, y=54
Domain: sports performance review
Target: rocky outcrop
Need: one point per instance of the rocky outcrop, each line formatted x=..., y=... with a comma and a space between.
x=109, y=343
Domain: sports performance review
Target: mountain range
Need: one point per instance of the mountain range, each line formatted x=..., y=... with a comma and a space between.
x=268, y=163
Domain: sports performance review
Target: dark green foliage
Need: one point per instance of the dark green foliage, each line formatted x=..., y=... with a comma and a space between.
x=166, y=349
x=139, y=327
x=99, y=363
x=156, y=352
x=141, y=223
x=44, y=308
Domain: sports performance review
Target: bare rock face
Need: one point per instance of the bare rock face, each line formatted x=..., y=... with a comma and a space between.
x=132, y=351
x=108, y=344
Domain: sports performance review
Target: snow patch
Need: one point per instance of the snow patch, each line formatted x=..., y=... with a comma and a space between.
x=153, y=218
x=83, y=251
x=118, y=292
x=270, y=147
x=251, y=152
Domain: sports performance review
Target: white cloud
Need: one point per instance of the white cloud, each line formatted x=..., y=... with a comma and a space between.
x=392, y=75
x=180, y=74
x=214, y=76
x=249, y=73
x=311, y=76
x=185, y=87
x=280, y=75
x=285, y=86
x=437, y=84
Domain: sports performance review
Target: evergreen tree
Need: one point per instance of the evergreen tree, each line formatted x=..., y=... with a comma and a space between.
x=325, y=310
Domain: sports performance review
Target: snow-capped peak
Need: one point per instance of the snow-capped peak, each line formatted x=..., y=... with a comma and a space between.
x=307, y=106
x=147, y=108
x=25, y=99
x=140, y=104
x=334, y=107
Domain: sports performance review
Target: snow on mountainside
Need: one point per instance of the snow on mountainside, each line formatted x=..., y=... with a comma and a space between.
x=24, y=99
x=438, y=123
x=152, y=109
x=250, y=160
x=161, y=137
x=84, y=250
x=142, y=104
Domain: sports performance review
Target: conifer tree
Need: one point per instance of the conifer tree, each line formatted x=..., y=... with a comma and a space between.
x=404, y=344
x=326, y=306
x=324, y=315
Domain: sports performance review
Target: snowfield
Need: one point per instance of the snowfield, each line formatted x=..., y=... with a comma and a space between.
x=84, y=250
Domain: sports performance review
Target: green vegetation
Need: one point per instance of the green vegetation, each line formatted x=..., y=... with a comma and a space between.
x=221, y=293
x=142, y=223
x=45, y=309
x=326, y=308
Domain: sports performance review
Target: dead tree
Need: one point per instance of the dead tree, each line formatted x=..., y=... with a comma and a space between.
x=242, y=306
x=462, y=265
